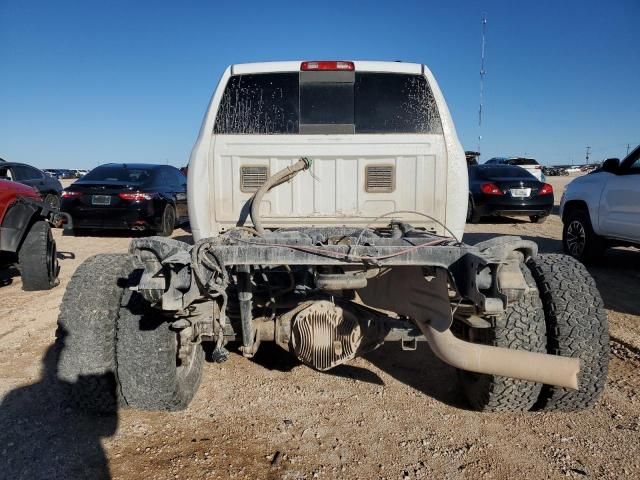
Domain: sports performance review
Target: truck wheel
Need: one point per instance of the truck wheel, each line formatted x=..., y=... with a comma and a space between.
x=538, y=218
x=578, y=238
x=38, y=258
x=150, y=374
x=576, y=327
x=168, y=221
x=86, y=331
x=523, y=328
x=472, y=215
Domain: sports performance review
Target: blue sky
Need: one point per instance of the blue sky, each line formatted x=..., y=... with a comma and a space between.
x=87, y=82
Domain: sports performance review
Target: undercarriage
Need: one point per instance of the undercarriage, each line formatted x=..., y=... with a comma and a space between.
x=330, y=294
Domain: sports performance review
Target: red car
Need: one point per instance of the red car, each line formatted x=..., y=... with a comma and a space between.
x=25, y=235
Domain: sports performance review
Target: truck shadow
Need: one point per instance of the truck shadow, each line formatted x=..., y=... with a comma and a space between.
x=7, y=274
x=40, y=437
x=422, y=370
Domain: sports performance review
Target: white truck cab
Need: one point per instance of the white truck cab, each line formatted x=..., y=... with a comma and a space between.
x=379, y=135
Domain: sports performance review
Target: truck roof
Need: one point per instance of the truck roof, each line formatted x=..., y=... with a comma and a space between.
x=360, y=65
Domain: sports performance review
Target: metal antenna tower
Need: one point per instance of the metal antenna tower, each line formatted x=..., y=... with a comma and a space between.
x=482, y=74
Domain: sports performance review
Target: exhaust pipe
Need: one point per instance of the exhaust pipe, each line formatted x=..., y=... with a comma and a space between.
x=535, y=367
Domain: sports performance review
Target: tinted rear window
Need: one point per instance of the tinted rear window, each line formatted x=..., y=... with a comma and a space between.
x=118, y=173
x=280, y=103
x=504, y=172
x=522, y=161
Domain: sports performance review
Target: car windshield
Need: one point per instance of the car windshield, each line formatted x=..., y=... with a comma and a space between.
x=327, y=102
x=504, y=172
x=119, y=173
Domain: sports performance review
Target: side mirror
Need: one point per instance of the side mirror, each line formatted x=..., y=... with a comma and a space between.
x=611, y=165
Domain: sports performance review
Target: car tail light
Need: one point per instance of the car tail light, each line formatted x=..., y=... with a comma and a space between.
x=136, y=196
x=70, y=194
x=327, y=65
x=546, y=189
x=491, y=189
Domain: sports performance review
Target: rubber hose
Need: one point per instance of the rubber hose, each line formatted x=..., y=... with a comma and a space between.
x=274, y=180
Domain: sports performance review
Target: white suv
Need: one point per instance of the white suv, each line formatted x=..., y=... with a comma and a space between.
x=602, y=209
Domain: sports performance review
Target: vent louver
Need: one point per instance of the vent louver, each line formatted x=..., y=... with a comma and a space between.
x=379, y=178
x=252, y=178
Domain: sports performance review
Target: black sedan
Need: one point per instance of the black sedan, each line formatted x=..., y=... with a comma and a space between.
x=48, y=187
x=507, y=190
x=128, y=196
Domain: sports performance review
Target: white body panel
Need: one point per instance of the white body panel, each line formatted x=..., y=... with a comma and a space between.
x=613, y=202
x=430, y=171
x=620, y=207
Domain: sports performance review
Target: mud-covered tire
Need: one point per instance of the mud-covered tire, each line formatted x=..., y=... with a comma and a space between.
x=521, y=328
x=168, y=221
x=86, y=331
x=150, y=375
x=37, y=258
x=577, y=326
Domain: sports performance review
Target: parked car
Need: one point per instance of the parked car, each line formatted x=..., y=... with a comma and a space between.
x=554, y=171
x=130, y=196
x=602, y=209
x=507, y=190
x=47, y=186
x=529, y=164
x=315, y=153
x=25, y=235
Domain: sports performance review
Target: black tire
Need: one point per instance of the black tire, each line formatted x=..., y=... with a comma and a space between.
x=472, y=215
x=538, y=218
x=52, y=200
x=522, y=328
x=168, y=221
x=86, y=332
x=38, y=258
x=578, y=238
x=577, y=326
x=150, y=375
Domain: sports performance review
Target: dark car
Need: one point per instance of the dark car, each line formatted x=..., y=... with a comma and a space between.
x=128, y=196
x=48, y=187
x=507, y=190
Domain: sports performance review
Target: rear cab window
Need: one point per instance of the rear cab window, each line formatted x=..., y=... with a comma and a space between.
x=327, y=102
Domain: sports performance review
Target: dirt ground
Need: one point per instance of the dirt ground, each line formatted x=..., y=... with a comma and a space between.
x=390, y=415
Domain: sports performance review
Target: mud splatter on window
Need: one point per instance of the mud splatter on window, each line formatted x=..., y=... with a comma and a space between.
x=395, y=103
x=264, y=104
x=269, y=104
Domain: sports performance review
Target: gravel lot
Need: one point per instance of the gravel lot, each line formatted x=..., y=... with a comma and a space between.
x=390, y=415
